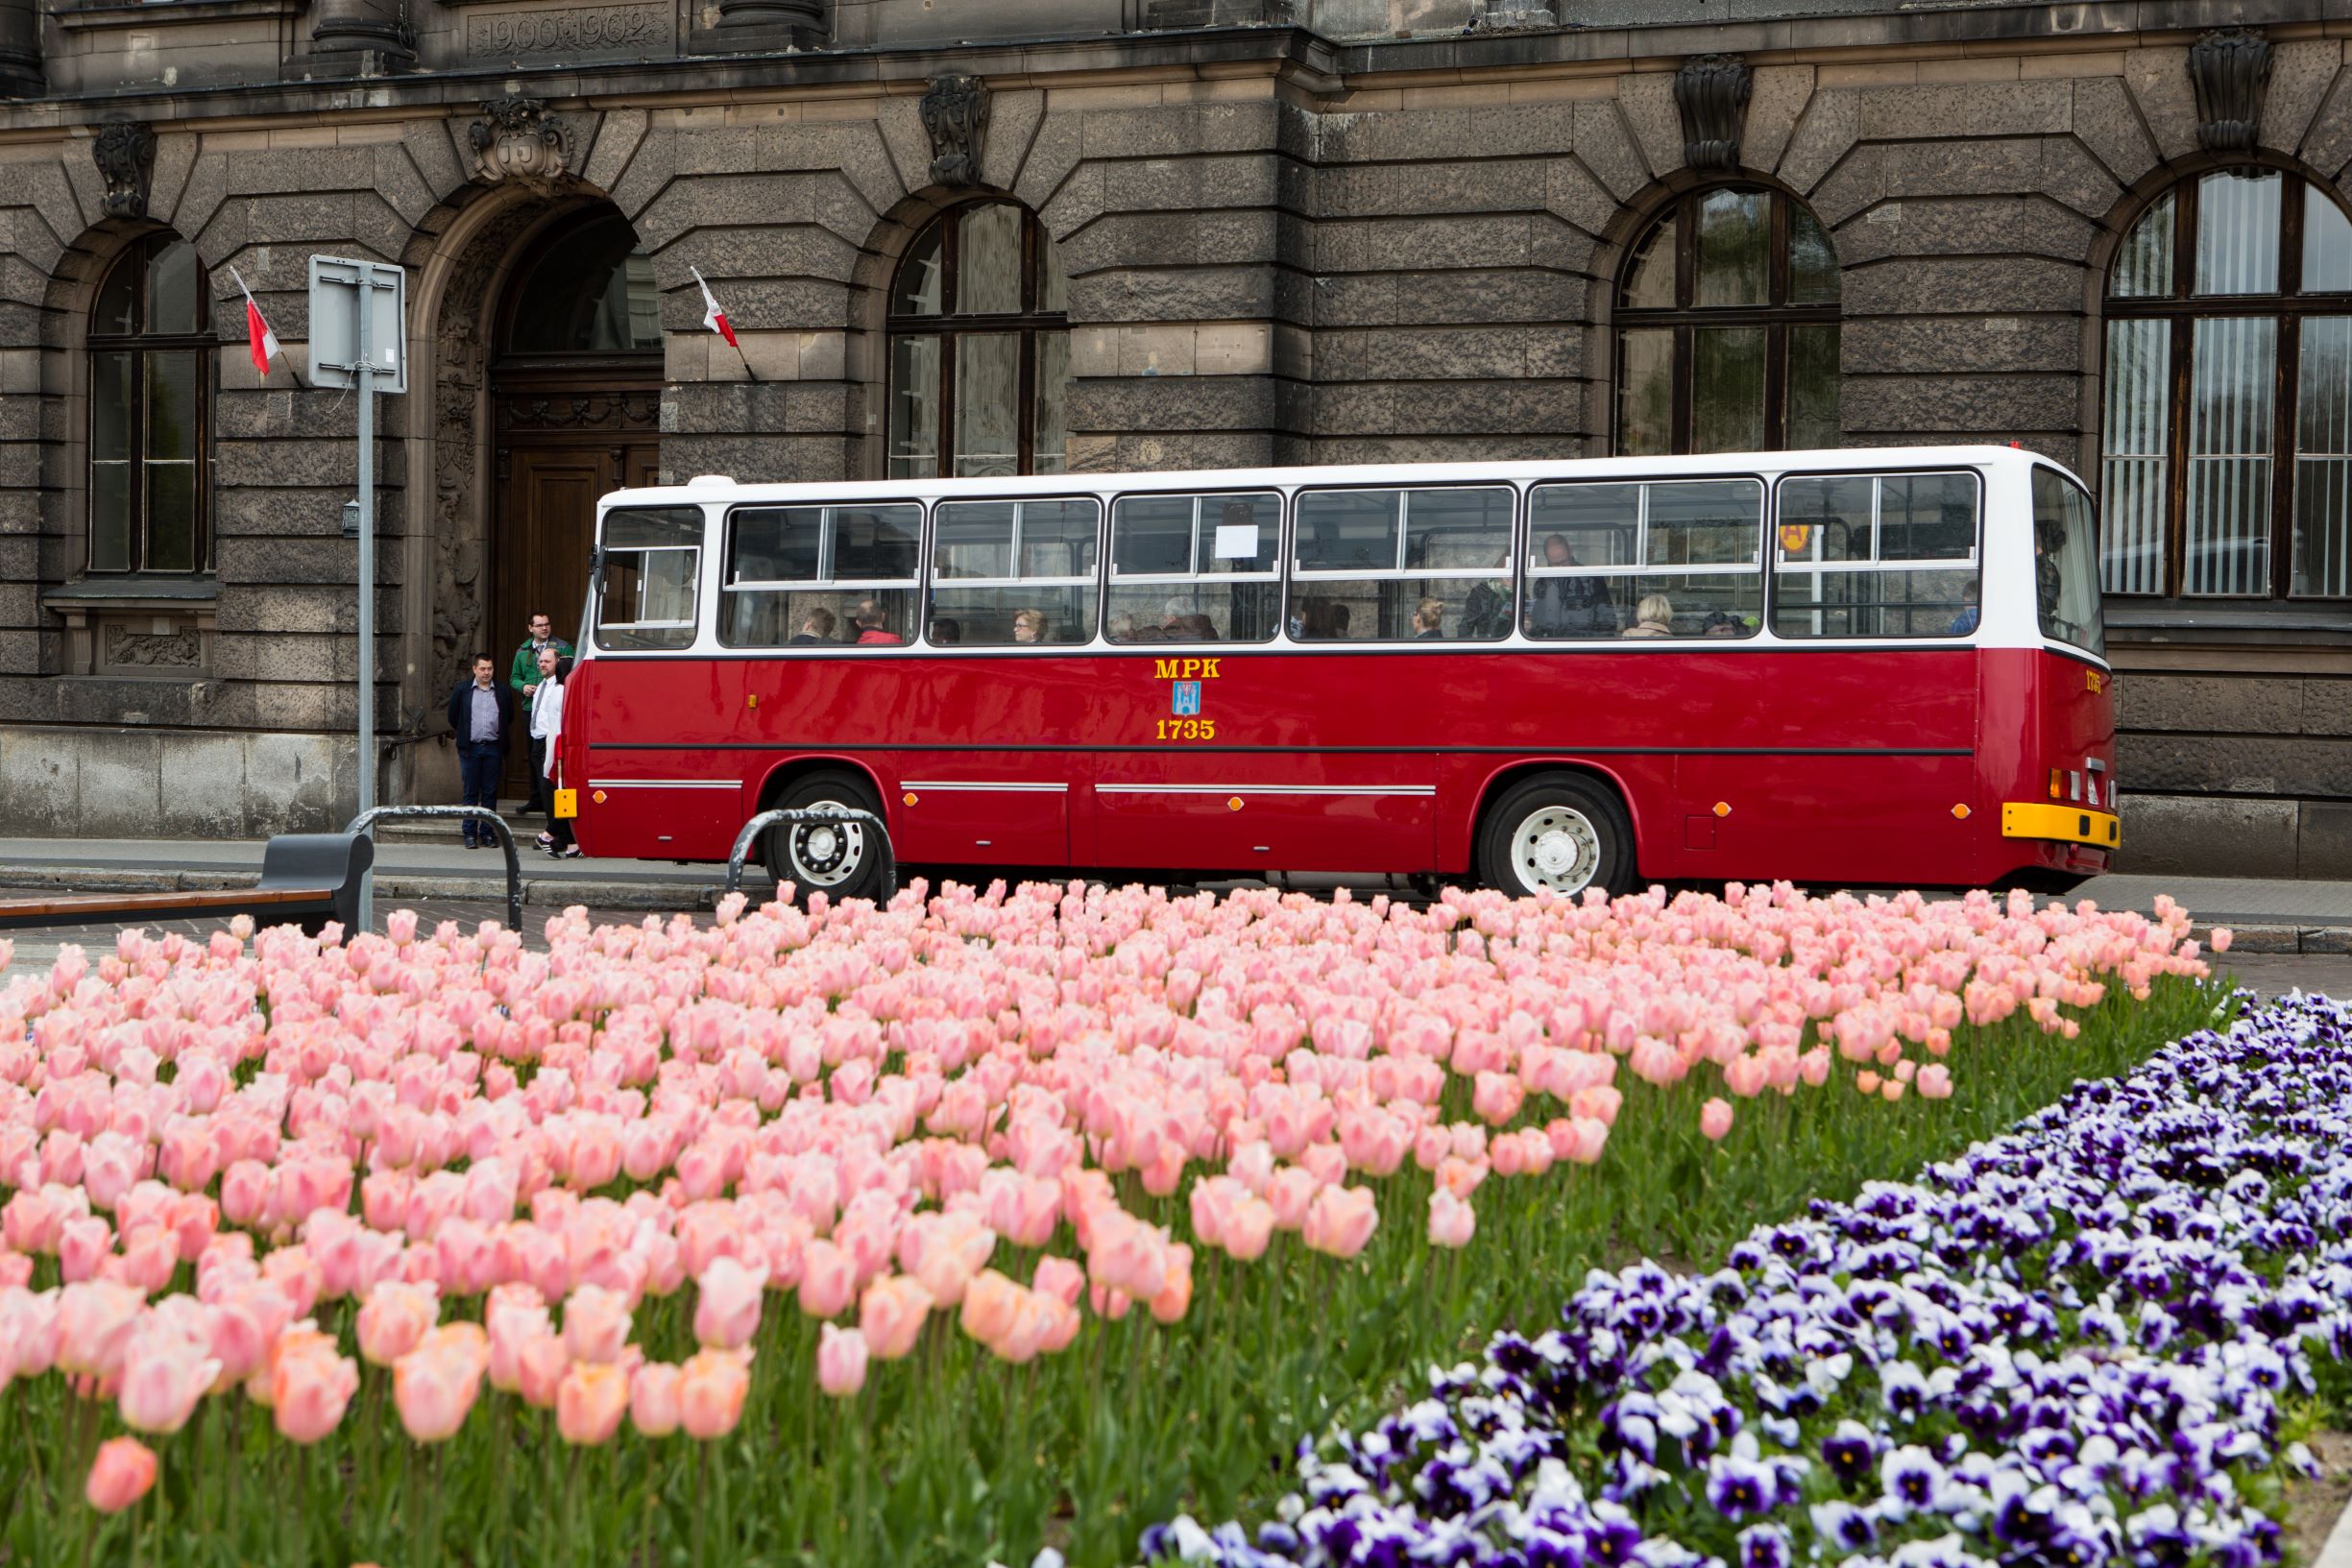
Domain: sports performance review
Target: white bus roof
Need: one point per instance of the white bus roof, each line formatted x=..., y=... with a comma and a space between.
x=709, y=489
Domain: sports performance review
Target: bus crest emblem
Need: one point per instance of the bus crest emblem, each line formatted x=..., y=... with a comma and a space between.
x=1185, y=699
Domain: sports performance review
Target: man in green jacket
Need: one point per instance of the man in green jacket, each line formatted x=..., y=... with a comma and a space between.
x=524, y=676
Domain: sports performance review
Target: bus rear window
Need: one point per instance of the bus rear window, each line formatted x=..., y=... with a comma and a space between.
x=647, y=569
x=1196, y=568
x=2066, y=564
x=1876, y=555
x=821, y=576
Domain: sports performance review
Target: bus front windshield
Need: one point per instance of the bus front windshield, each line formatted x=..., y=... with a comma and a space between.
x=2066, y=564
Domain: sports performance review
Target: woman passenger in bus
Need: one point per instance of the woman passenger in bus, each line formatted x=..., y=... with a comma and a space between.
x=1190, y=627
x=945, y=631
x=1429, y=620
x=1029, y=626
x=1653, y=616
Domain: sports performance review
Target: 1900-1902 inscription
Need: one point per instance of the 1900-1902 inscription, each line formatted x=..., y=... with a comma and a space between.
x=599, y=29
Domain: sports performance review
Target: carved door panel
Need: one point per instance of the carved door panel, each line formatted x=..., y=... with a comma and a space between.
x=548, y=492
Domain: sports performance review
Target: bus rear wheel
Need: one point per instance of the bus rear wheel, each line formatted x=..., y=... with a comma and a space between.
x=1561, y=834
x=839, y=859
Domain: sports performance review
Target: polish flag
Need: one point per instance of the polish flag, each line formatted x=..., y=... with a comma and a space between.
x=713, y=317
x=261, y=342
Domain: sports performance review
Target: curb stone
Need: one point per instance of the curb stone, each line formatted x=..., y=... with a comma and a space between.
x=2337, y=1553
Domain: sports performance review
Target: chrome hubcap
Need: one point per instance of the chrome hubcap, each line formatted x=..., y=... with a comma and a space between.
x=1556, y=849
x=825, y=853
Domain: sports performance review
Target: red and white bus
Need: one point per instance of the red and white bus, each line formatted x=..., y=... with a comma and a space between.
x=1862, y=667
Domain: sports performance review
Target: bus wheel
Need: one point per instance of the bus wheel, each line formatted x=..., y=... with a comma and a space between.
x=1559, y=833
x=839, y=859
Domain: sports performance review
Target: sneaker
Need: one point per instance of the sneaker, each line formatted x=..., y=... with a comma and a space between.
x=570, y=853
x=546, y=842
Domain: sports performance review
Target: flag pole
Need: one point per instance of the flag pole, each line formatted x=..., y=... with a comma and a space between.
x=239, y=280
x=717, y=321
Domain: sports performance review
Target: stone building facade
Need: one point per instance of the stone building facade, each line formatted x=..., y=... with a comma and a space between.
x=1265, y=231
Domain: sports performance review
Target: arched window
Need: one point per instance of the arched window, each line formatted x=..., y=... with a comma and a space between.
x=588, y=290
x=1726, y=328
x=979, y=348
x=2226, y=450
x=151, y=411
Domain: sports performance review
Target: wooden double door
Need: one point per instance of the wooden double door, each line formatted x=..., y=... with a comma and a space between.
x=559, y=453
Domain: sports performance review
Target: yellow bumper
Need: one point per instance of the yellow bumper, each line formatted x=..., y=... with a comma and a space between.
x=2067, y=824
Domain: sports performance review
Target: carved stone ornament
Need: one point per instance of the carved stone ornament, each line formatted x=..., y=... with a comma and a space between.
x=1712, y=92
x=955, y=113
x=125, y=152
x=1507, y=15
x=517, y=139
x=2230, y=70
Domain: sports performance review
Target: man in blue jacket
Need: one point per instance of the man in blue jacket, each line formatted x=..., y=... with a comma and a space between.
x=481, y=718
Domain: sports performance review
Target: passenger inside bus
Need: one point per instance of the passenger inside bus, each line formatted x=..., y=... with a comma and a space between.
x=1720, y=624
x=1653, y=616
x=945, y=631
x=873, y=625
x=1429, y=620
x=1568, y=605
x=1193, y=627
x=816, y=627
x=1029, y=626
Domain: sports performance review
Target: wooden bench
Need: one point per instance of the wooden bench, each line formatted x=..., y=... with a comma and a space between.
x=307, y=880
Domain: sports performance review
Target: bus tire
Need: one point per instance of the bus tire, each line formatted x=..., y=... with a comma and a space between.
x=840, y=863
x=1560, y=832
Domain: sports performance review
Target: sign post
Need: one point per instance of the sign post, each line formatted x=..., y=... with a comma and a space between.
x=358, y=339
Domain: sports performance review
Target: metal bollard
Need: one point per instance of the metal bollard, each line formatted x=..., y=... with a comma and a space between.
x=768, y=819
x=366, y=820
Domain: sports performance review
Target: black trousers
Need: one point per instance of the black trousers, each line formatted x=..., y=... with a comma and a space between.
x=538, y=801
x=479, y=766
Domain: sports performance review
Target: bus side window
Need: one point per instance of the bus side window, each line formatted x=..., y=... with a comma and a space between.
x=821, y=576
x=1015, y=573
x=1661, y=558
x=649, y=566
x=1876, y=555
x=1402, y=566
x=1194, y=569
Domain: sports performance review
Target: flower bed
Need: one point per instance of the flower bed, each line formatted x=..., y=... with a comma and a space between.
x=925, y=1233
x=2091, y=1341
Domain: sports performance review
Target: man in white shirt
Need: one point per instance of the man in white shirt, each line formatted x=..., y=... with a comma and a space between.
x=546, y=705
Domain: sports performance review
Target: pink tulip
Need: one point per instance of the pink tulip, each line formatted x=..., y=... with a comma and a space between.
x=94, y=1323
x=891, y=1314
x=727, y=1304
x=163, y=1376
x=434, y=1388
x=541, y=1361
x=309, y=1390
x=653, y=1399
x=1340, y=1220
x=597, y=1325
x=123, y=1472
x=1934, y=1081
x=395, y=1321
x=842, y=1361
x=590, y=1402
x=2220, y=938
x=1715, y=1119
x=1452, y=1222
x=828, y=1280
x=712, y=1387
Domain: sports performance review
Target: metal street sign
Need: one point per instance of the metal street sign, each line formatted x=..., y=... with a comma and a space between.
x=358, y=338
x=338, y=287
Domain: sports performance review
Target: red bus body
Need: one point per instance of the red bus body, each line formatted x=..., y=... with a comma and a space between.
x=1827, y=763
